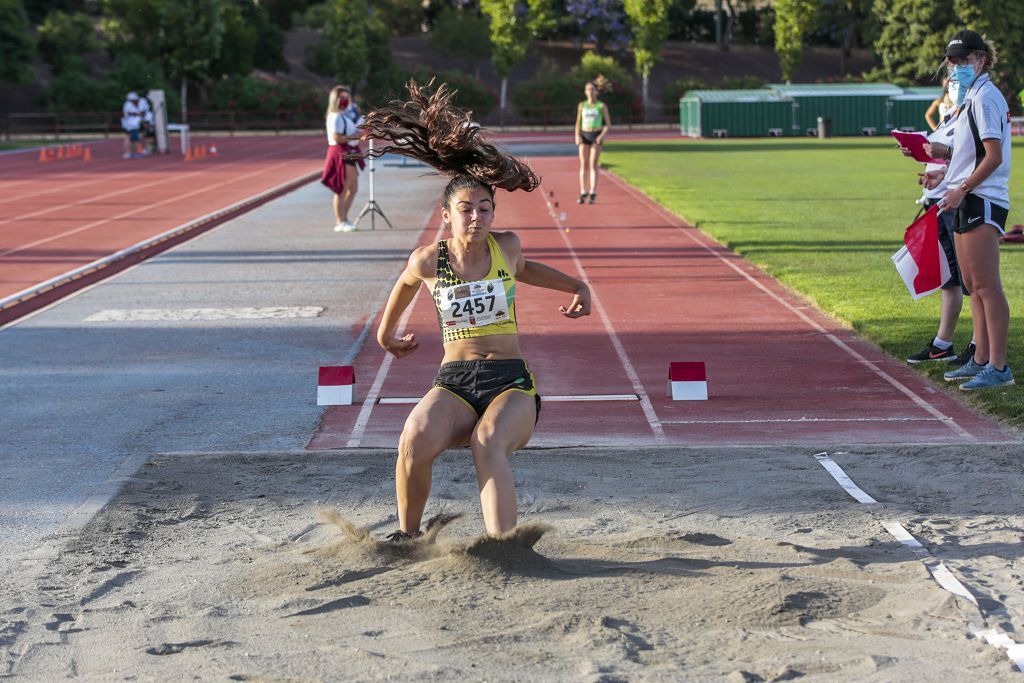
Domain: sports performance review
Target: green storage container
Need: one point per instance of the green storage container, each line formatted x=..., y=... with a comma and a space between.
x=906, y=111
x=735, y=113
x=853, y=108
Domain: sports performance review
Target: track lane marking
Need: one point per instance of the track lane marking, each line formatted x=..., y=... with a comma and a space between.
x=147, y=207
x=902, y=388
x=645, y=401
x=363, y=419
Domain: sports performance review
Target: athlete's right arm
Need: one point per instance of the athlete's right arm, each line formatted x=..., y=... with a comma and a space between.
x=402, y=295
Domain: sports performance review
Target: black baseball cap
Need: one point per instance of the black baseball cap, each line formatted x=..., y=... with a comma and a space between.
x=964, y=43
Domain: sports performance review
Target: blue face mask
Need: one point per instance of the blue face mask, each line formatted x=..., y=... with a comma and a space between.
x=963, y=75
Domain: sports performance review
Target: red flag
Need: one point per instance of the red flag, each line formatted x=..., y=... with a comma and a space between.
x=922, y=263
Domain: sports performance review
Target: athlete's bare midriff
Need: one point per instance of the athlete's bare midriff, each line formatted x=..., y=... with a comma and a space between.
x=494, y=347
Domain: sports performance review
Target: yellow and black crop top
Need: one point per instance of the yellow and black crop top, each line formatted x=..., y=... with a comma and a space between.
x=480, y=308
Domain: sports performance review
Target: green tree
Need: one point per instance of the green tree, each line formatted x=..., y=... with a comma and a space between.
x=514, y=24
x=648, y=20
x=793, y=20
x=462, y=34
x=913, y=37
x=185, y=36
x=16, y=45
x=64, y=38
x=237, y=54
x=343, y=52
x=1000, y=23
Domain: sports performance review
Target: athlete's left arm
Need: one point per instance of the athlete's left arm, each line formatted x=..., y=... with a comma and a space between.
x=539, y=275
x=607, y=123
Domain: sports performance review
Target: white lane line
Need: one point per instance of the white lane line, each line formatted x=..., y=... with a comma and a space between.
x=147, y=207
x=119, y=315
x=627, y=365
x=935, y=567
x=405, y=400
x=798, y=420
x=905, y=390
x=356, y=436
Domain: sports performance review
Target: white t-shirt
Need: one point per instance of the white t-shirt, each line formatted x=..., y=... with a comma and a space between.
x=983, y=116
x=131, y=115
x=944, y=135
x=338, y=123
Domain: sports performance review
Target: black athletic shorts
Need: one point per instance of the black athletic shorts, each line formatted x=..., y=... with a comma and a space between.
x=946, y=221
x=589, y=137
x=975, y=211
x=479, y=382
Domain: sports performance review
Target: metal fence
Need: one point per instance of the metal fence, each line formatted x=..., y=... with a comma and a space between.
x=107, y=124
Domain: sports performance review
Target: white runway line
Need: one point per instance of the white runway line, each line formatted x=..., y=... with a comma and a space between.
x=627, y=365
x=404, y=400
x=798, y=420
x=935, y=567
x=363, y=419
x=120, y=315
x=902, y=388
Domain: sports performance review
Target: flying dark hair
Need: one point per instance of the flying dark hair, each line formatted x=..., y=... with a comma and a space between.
x=431, y=129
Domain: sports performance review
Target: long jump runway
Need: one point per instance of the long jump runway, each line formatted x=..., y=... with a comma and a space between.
x=779, y=372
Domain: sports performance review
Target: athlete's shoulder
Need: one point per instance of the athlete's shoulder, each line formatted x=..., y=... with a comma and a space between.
x=423, y=261
x=506, y=239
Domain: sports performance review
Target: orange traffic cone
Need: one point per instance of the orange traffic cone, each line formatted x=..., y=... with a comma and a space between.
x=87, y=155
x=50, y=154
x=188, y=154
x=42, y=155
x=60, y=152
x=202, y=152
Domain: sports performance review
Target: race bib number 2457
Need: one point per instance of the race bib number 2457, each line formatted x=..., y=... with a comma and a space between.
x=473, y=304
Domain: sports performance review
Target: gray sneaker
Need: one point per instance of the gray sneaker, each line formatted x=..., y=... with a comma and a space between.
x=988, y=378
x=966, y=371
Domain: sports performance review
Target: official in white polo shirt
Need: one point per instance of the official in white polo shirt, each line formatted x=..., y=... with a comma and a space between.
x=977, y=190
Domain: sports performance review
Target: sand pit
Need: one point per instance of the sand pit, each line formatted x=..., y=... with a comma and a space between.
x=651, y=564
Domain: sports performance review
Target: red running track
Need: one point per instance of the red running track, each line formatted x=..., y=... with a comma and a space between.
x=779, y=372
x=59, y=215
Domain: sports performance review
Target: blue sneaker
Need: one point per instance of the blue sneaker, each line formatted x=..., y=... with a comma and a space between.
x=966, y=371
x=989, y=378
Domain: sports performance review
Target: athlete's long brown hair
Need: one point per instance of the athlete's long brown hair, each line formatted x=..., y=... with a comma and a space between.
x=431, y=129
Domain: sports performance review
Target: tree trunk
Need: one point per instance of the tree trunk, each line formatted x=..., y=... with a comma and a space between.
x=184, y=100
x=646, y=78
x=718, y=23
x=504, y=100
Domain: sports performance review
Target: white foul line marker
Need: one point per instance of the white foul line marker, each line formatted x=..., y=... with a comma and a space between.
x=935, y=567
x=620, y=351
x=902, y=388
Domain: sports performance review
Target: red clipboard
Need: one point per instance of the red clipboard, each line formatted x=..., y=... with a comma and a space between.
x=915, y=142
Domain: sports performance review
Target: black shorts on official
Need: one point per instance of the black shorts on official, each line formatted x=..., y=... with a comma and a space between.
x=479, y=382
x=946, y=222
x=975, y=211
x=589, y=138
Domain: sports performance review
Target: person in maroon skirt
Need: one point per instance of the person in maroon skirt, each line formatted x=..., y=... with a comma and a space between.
x=341, y=173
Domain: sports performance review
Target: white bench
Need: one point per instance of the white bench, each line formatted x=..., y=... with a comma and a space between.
x=182, y=130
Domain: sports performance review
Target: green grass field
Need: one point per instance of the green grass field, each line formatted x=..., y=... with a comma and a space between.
x=824, y=217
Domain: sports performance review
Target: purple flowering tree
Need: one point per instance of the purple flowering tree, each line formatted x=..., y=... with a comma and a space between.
x=601, y=22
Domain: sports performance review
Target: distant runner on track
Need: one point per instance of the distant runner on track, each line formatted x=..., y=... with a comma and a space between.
x=484, y=395
x=592, y=124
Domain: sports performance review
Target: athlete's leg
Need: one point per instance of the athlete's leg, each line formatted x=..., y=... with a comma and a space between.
x=351, y=187
x=336, y=204
x=952, y=304
x=595, y=154
x=506, y=426
x=584, y=156
x=439, y=421
x=980, y=248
